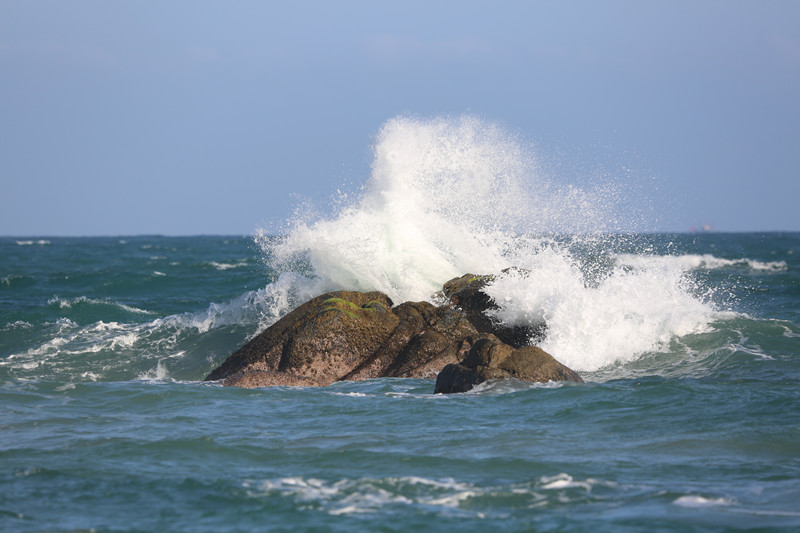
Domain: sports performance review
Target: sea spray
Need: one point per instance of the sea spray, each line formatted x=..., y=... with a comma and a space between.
x=593, y=323
x=452, y=196
x=445, y=197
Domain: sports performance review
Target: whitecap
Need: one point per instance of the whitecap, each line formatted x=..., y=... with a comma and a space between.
x=563, y=481
x=19, y=324
x=227, y=266
x=700, y=501
x=70, y=302
x=695, y=261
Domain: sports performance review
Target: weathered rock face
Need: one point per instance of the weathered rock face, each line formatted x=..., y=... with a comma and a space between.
x=322, y=341
x=351, y=336
x=491, y=359
x=355, y=336
x=426, y=339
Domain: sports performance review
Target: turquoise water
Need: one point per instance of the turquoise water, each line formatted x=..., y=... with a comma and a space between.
x=106, y=424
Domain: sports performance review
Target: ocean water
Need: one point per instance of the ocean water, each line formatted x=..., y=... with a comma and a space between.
x=689, y=345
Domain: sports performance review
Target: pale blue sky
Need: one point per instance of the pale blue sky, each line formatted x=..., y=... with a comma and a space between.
x=189, y=117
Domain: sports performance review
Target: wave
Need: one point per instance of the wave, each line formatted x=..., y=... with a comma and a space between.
x=443, y=495
x=696, y=261
x=469, y=499
x=445, y=197
x=84, y=301
x=181, y=346
x=227, y=266
x=40, y=242
x=448, y=197
x=19, y=324
x=15, y=280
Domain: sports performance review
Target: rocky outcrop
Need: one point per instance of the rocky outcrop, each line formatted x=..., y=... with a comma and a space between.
x=322, y=340
x=489, y=358
x=347, y=335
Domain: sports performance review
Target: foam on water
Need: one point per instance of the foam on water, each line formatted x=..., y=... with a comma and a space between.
x=83, y=300
x=40, y=242
x=124, y=350
x=227, y=266
x=439, y=496
x=593, y=323
x=453, y=196
x=695, y=261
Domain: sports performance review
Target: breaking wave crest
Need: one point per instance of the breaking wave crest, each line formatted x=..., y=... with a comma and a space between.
x=453, y=196
x=695, y=261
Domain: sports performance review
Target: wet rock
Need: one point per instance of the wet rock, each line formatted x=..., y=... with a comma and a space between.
x=348, y=335
x=351, y=336
x=492, y=359
x=322, y=340
x=426, y=339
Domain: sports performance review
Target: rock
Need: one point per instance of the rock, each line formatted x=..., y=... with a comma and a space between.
x=347, y=335
x=425, y=340
x=351, y=336
x=251, y=378
x=466, y=294
x=491, y=359
x=322, y=341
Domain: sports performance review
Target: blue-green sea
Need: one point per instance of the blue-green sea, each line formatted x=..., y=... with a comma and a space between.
x=689, y=419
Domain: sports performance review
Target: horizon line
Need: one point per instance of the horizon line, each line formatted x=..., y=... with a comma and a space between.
x=248, y=235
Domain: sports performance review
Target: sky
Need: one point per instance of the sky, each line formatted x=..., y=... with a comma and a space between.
x=215, y=117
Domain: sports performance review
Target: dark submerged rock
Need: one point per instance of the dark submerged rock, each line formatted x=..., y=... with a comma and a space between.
x=491, y=359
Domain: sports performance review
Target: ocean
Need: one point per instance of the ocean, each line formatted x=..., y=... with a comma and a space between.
x=689, y=345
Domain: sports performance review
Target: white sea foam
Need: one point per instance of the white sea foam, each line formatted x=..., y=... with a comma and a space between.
x=10, y=279
x=19, y=324
x=448, y=197
x=70, y=302
x=357, y=496
x=695, y=261
x=68, y=346
x=447, y=496
x=40, y=242
x=227, y=266
x=563, y=481
x=700, y=501
x=616, y=318
x=445, y=197
x=157, y=374
x=262, y=307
